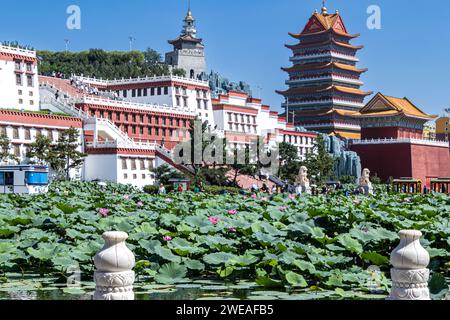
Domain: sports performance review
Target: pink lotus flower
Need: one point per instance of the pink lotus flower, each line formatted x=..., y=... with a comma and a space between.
x=283, y=208
x=214, y=220
x=126, y=197
x=167, y=238
x=254, y=196
x=103, y=212
x=140, y=204
x=232, y=212
x=168, y=200
x=291, y=196
x=232, y=229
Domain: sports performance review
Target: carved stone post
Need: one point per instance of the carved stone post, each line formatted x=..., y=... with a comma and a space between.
x=114, y=277
x=409, y=273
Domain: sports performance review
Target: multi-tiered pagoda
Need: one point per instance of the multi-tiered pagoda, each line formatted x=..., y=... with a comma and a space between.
x=324, y=82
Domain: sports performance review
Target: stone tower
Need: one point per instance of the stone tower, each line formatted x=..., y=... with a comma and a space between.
x=188, y=51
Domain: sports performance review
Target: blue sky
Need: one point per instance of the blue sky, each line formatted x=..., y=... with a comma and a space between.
x=245, y=39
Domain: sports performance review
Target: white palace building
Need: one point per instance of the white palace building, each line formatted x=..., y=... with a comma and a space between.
x=131, y=125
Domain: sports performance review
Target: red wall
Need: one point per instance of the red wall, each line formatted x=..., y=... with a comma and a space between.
x=405, y=160
x=430, y=162
x=386, y=160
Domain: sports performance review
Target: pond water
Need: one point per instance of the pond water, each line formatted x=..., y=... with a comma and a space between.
x=37, y=288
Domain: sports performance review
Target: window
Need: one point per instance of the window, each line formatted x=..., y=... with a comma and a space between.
x=124, y=164
x=27, y=134
x=6, y=178
x=17, y=65
x=178, y=101
x=125, y=93
x=17, y=150
x=206, y=104
x=157, y=132
x=139, y=93
x=145, y=92
x=20, y=101
x=134, y=176
x=30, y=81
x=20, y=92
x=185, y=102
x=152, y=91
x=142, y=162
x=133, y=130
x=50, y=135
x=141, y=130
x=29, y=67
x=166, y=90
x=31, y=94
x=133, y=164
x=36, y=178
x=231, y=126
x=15, y=133
x=2, y=131
x=248, y=119
x=19, y=79
x=125, y=176
x=159, y=91
x=133, y=118
x=143, y=176
x=199, y=104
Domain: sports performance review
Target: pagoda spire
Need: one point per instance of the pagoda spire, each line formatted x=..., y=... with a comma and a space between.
x=189, y=23
x=324, y=8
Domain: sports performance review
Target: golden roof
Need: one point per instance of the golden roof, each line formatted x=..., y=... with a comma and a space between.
x=324, y=88
x=349, y=135
x=329, y=22
x=382, y=105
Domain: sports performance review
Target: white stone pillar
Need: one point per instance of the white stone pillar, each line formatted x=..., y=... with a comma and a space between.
x=114, y=277
x=409, y=273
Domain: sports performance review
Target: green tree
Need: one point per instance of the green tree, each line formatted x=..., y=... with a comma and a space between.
x=66, y=155
x=164, y=173
x=249, y=168
x=319, y=162
x=289, y=161
x=40, y=151
x=5, y=147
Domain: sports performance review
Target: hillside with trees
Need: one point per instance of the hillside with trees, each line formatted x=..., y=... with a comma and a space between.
x=105, y=64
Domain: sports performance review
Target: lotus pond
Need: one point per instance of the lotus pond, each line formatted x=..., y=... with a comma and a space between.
x=201, y=246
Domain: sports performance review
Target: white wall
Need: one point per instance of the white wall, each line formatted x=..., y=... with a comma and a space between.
x=9, y=90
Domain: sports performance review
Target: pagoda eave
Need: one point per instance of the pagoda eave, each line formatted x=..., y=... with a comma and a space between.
x=300, y=36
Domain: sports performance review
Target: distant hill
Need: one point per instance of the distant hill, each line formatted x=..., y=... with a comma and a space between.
x=105, y=64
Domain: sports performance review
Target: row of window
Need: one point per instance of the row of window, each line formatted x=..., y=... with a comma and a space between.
x=297, y=140
x=28, y=65
x=125, y=176
x=144, y=92
x=243, y=128
x=27, y=133
x=19, y=80
x=151, y=131
x=139, y=119
x=134, y=163
x=200, y=102
x=243, y=118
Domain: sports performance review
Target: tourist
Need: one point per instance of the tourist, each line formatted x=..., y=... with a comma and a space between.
x=255, y=187
x=162, y=189
x=264, y=188
x=180, y=188
x=57, y=95
x=274, y=189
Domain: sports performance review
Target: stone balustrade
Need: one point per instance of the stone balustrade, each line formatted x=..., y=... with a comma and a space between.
x=409, y=273
x=114, y=277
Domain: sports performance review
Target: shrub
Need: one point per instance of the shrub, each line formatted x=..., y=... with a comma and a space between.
x=221, y=190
